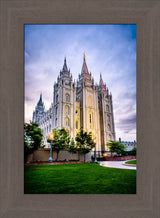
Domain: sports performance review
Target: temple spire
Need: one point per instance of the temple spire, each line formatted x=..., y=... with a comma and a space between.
x=101, y=83
x=40, y=100
x=84, y=55
x=84, y=67
x=65, y=68
x=101, y=80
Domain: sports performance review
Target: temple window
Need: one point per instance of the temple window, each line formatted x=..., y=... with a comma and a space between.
x=76, y=124
x=107, y=107
x=67, y=97
x=67, y=121
x=90, y=100
x=108, y=118
x=67, y=109
x=56, y=98
x=90, y=120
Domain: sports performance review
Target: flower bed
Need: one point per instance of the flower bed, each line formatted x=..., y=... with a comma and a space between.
x=120, y=158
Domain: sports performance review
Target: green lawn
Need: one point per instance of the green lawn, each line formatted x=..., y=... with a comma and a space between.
x=131, y=162
x=85, y=178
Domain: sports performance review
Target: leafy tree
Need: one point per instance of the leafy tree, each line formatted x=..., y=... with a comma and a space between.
x=32, y=138
x=72, y=147
x=60, y=141
x=134, y=150
x=85, y=142
x=117, y=147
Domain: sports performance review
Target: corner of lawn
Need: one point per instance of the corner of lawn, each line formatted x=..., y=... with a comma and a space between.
x=132, y=162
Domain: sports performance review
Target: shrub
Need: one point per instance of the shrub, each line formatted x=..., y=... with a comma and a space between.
x=116, y=147
x=101, y=158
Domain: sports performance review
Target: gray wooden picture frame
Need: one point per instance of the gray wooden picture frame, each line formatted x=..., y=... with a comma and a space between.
x=13, y=15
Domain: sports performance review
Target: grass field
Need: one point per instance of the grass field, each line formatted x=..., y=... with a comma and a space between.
x=131, y=162
x=85, y=178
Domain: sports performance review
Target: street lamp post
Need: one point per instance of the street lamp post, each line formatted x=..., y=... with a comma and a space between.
x=51, y=137
x=95, y=158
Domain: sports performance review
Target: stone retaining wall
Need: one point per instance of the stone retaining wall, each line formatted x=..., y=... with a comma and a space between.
x=42, y=154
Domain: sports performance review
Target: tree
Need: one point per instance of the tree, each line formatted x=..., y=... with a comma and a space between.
x=32, y=138
x=85, y=142
x=72, y=147
x=60, y=141
x=134, y=150
x=117, y=147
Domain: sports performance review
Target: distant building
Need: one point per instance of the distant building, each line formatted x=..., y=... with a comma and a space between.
x=129, y=145
x=78, y=105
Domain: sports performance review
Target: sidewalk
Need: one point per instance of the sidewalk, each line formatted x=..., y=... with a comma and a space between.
x=116, y=164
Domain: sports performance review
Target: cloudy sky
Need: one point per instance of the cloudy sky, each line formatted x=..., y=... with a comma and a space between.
x=110, y=50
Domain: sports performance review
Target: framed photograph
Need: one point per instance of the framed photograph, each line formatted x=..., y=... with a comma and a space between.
x=14, y=15
x=73, y=97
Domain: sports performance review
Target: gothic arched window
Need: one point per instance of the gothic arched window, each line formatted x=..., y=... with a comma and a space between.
x=108, y=126
x=107, y=107
x=67, y=109
x=90, y=100
x=90, y=120
x=108, y=117
x=76, y=124
x=67, y=121
x=67, y=97
x=56, y=98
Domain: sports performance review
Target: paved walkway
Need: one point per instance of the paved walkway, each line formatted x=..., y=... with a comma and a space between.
x=116, y=164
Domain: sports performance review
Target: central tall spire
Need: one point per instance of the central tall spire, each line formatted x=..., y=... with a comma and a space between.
x=84, y=55
x=84, y=67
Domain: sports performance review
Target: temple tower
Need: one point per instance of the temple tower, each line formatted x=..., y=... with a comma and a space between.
x=106, y=114
x=64, y=99
x=39, y=110
x=87, y=94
